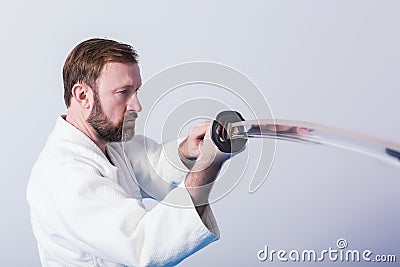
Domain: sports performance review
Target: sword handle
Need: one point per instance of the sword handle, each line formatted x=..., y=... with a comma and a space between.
x=219, y=133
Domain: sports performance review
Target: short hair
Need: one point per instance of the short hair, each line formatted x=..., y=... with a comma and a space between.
x=85, y=62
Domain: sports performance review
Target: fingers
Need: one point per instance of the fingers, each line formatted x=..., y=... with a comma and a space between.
x=200, y=130
x=190, y=147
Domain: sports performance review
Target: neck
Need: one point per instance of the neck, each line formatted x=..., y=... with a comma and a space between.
x=81, y=124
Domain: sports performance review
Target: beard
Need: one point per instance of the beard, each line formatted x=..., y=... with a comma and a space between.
x=105, y=129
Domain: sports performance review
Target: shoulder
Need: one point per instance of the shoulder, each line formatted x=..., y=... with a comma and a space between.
x=63, y=160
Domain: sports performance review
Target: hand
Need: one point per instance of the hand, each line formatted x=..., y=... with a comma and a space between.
x=199, y=148
x=190, y=147
x=205, y=161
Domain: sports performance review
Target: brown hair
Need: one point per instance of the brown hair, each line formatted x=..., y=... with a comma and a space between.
x=87, y=59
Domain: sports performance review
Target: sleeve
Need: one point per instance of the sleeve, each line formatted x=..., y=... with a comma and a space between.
x=104, y=221
x=158, y=168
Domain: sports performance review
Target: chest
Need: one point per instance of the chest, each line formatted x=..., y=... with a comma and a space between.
x=125, y=175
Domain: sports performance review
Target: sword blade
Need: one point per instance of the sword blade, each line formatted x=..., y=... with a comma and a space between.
x=305, y=132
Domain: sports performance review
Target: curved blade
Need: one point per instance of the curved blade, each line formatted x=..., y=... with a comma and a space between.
x=313, y=133
x=306, y=132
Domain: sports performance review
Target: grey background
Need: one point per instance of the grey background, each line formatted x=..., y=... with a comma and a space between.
x=331, y=62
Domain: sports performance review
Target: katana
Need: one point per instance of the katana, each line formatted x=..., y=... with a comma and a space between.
x=230, y=133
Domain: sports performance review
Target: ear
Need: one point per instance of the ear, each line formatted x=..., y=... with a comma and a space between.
x=82, y=94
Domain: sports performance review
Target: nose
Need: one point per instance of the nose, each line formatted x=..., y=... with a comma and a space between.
x=134, y=104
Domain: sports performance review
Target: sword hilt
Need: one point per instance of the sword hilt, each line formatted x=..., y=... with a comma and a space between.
x=219, y=132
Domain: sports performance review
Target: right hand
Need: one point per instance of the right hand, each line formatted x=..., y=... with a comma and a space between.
x=199, y=148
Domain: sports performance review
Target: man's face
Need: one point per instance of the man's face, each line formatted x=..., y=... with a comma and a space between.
x=116, y=104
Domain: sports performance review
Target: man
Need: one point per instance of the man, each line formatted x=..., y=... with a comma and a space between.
x=85, y=189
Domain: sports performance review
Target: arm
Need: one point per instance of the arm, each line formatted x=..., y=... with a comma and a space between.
x=200, y=154
x=157, y=167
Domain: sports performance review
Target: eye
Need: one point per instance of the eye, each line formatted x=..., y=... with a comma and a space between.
x=123, y=92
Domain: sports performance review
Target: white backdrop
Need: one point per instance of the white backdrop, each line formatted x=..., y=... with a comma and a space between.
x=330, y=62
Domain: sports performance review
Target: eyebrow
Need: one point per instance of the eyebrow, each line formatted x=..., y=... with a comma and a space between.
x=127, y=87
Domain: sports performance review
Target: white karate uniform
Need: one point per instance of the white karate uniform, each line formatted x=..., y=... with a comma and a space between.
x=86, y=211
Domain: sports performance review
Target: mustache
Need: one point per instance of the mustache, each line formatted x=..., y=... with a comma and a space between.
x=130, y=116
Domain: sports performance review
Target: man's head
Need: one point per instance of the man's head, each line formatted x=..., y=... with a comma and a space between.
x=101, y=78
